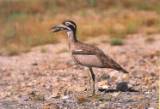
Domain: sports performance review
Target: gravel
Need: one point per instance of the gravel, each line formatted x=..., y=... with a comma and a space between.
x=49, y=80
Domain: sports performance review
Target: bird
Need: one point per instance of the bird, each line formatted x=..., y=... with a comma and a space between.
x=85, y=54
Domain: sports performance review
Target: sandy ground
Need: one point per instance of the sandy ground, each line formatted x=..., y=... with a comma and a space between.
x=46, y=78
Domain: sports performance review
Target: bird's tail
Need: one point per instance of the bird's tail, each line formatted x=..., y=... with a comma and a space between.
x=123, y=70
x=118, y=67
x=114, y=65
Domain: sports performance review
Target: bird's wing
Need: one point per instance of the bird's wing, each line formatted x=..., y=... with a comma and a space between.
x=110, y=63
x=99, y=55
x=87, y=55
x=86, y=49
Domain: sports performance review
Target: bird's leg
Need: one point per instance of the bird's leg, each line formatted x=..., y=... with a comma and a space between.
x=93, y=80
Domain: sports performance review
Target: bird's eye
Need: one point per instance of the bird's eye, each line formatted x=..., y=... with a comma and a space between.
x=67, y=24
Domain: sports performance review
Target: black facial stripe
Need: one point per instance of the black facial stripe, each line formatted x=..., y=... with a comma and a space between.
x=72, y=28
x=71, y=25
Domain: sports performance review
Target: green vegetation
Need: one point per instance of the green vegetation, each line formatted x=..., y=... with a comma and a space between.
x=26, y=23
x=116, y=41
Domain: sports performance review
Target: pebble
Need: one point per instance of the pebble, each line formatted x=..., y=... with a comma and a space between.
x=122, y=86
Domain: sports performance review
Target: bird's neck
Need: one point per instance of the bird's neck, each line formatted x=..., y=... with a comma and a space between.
x=72, y=36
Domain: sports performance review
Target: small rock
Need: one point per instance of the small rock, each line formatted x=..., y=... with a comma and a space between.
x=65, y=97
x=103, y=85
x=82, y=99
x=55, y=94
x=147, y=92
x=34, y=63
x=37, y=96
x=115, y=94
x=122, y=86
x=150, y=108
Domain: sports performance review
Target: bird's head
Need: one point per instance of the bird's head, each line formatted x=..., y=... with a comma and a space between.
x=66, y=25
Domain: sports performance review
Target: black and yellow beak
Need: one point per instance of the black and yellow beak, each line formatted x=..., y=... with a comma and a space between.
x=59, y=27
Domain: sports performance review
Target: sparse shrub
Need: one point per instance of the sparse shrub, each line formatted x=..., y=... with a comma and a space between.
x=119, y=33
x=142, y=5
x=26, y=23
x=92, y=2
x=116, y=41
x=17, y=16
x=132, y=27
x=9, y=34
x=13, y=49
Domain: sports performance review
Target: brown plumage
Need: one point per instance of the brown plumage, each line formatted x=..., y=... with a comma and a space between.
x=99, y=60
x=85, y=54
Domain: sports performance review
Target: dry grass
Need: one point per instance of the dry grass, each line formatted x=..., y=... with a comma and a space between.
x=25, y=24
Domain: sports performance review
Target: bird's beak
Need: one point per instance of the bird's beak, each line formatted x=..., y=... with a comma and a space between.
x=59, y=27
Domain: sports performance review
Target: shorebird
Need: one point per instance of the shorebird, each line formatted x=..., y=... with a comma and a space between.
x=85, y=54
